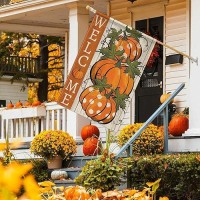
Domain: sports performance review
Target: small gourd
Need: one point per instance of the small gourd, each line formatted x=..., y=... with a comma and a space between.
x=58, y=175
x=10, y=105
x=18, y=104
x=164, y=97
x=27, y=104
x=36, y=103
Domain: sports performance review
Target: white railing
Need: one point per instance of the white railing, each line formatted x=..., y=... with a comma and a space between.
x=27, y=122
x=56, y=117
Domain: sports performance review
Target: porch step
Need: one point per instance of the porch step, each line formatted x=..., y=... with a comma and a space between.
x=78, y=161
x=72, y=173
x=65, y=183
x=74, y=168
x=184, y=144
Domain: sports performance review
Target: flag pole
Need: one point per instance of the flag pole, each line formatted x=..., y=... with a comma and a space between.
x=90, y=9
x=159, y=42
x=177, y=51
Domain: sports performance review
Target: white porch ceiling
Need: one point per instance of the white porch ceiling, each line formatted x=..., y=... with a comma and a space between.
x=45, y=17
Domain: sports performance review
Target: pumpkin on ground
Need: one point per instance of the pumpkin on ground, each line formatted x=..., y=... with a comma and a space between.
x=76, y=193
x=89, y=131
x=178, y=125
x=91, y=146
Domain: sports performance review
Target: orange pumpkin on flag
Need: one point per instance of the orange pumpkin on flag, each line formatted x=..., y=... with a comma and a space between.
x=77, y=73
x=131, y=47
x=97, y=106
x=115, y=76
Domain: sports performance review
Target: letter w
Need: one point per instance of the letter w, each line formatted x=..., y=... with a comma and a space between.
x=99, y=21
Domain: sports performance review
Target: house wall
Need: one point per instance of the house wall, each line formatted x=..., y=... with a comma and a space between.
x=118, y=10
x=12, y=92
x=176, y=34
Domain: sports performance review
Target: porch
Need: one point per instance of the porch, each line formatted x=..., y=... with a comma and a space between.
x=15, y=65
x=27, y=122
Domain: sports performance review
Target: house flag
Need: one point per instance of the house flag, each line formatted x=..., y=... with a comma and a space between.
x=106, y=71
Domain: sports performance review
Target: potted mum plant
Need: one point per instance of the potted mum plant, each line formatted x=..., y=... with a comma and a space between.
x=150, y=142
x=53, y=145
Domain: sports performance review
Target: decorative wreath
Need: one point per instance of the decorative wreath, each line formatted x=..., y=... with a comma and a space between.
x=154, y=54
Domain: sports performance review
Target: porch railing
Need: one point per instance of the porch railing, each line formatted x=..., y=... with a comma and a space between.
x=4, y=2
x=27, y=122
x=10, y=65
x=163, y=108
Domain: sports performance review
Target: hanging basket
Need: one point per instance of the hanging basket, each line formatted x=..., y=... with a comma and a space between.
x=55, y=162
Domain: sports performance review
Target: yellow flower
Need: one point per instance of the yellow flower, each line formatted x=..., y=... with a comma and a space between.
x=50, y=143
x=13, y=178
x=163, y=198
x=46, y=184
x=11, y=175
x=31, y=188
x=149, y=142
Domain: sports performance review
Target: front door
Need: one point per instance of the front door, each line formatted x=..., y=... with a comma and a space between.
x=149, y=89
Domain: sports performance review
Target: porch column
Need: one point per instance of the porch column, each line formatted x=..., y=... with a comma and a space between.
x=194, y=92
x=79, y=22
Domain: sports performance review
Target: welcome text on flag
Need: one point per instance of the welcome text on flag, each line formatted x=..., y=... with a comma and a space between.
x=83, y=60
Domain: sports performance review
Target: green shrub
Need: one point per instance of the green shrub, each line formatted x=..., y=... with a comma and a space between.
x=103, y=173
x=179, y=173
x=39, y=170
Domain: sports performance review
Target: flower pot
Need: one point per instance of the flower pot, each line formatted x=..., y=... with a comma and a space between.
x=55, y=162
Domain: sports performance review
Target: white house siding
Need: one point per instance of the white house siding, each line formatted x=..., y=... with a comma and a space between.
x=12, y=91
x=176, y=13
x=101, y=6
x=176, y=35
x=118, y=10
x=127, y=13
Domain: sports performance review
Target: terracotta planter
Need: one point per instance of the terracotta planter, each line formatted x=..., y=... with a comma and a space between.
x=55, y=163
